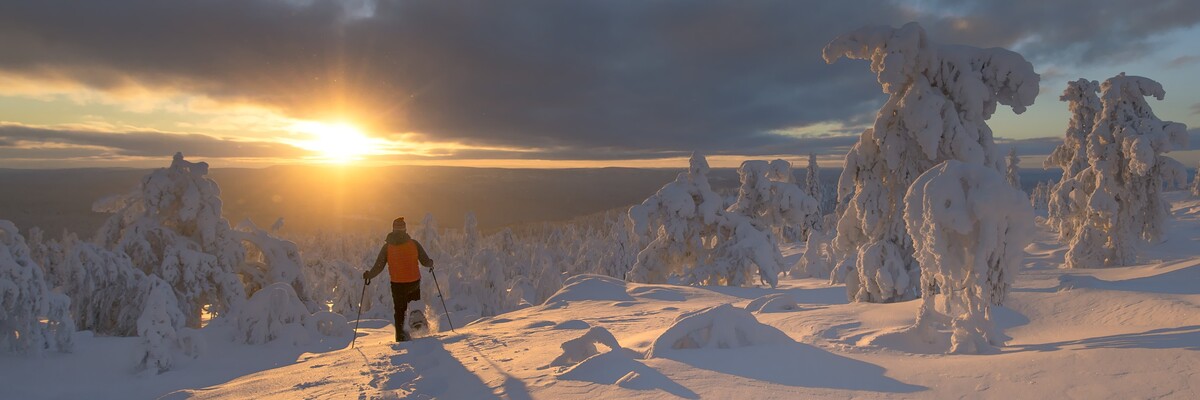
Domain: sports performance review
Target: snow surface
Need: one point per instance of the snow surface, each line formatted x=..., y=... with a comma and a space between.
x=1127, y=332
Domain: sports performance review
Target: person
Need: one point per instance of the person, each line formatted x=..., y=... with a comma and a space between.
x=401, y=253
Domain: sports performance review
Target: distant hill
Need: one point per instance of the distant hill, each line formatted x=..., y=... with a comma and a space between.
x=356, y=198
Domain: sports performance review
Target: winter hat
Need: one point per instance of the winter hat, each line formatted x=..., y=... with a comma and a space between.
x=399, y=225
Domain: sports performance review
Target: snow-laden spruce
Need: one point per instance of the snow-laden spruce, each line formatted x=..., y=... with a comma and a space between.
x=1122, y=185
x=939, y=99
x=25, y=299
x=1013, y=174
x=108, y=292
x=817, y=259
x=812, y=187
x=270, y=259
x=1040, y=197
x=1196, y=183
x=158, y=341
x=772, y=200
x=1068, y=198
x=969, y=230
x=691, y=236
x=171, y=227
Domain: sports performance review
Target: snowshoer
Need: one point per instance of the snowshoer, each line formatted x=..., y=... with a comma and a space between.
x=401, y=253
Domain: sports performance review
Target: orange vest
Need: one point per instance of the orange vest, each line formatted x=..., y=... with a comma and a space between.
x=402, y=262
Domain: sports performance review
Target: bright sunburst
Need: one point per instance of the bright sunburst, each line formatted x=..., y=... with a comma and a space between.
x=337, y=142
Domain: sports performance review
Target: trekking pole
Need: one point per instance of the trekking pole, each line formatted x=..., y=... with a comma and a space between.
x=443, y=299
x=359, y=318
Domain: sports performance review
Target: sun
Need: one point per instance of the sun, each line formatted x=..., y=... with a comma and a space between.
x=336, y=142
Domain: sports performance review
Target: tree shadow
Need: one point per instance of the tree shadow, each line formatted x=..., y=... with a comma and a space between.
x=616, y=368
x=510, y=387
x=795, y=364
x=427, y=368
x=1184, y=338
x=1180, y=281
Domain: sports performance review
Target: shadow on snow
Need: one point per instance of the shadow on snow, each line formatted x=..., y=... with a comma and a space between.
x=795, y=364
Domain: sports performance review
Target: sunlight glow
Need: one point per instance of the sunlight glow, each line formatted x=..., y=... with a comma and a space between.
x=337, y=142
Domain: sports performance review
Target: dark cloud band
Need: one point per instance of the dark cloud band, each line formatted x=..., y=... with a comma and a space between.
x=598, y=77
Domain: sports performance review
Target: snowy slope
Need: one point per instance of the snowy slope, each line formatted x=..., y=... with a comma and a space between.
x=1130, y=332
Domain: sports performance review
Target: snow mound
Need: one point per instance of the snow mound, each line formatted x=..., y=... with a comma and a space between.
x=590, y=287
x=720, y=327
x=572, y=324
x=778, y=302
x=658, y=293
x=583, y=347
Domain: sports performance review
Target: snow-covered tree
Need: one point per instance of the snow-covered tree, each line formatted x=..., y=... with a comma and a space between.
x=270, y=259
x=1124, y=180
x=1013, y=175
x=471, y=234
x=25, y=299
x=813, y=185
x=1196, y=183
x=1040, y=198
x=158, y=341
x=939, y=99
x=1065, y=205
x=427, y=234
x=773, y=202
x=969, y=230
x=676, y=220
x=690, y=236
x=171, y=227
x=109, y=293
x=818, y=258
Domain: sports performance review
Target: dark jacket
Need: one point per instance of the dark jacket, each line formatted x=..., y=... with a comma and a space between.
x=397, y=237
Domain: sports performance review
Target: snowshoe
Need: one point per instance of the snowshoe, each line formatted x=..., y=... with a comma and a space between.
x=417, y=324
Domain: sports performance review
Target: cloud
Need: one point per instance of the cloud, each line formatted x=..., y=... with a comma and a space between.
x=1196, y=109
x=1182, y=61
x=1068, y=31
x=30, y=142
x=591, y=79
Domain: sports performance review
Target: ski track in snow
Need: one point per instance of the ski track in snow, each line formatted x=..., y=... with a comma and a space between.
x=1129, y=332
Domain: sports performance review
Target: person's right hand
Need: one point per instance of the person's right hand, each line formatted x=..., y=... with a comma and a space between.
x=366, y=275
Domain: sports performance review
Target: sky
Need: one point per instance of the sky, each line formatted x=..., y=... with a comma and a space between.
x=541, y=84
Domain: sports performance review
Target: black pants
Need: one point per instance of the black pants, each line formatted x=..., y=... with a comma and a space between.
x=402, y=293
